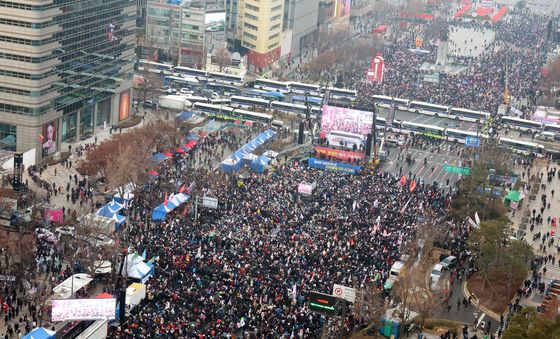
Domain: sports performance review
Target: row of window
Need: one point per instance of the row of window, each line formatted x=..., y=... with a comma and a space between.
x=16, y=57
x=250, y=36
x=27, y=24
x=252, y=17
x=251, y=7
x=253, y=27
x=8, y=137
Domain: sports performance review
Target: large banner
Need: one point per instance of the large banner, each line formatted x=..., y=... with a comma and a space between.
x=345, y=120
x=49, y=138
x=124, y=109
x=339, y=154
x=83, y=309
x=53, y=215
x=333, y=166
x=376, y=69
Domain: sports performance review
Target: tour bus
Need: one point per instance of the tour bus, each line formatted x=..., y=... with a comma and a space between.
x=257, y=93
x=194, y=99
x=189, y=82
x=272, y=85
x=227, y=79
x=428, y=130
x=521, y=124
x=554, y=128
x=386, y=101
x=287, y=107
x=313, y=101
x=253, y=116
x=340, y=138
x=155, y=67
x=424, y=107
x=239, y=101
x=223, y=89
x=467, y=113
x=213, y=109
x=191, y=72
x=300, y=88
x=457, y=135
x=522, y=147
x=342, y=93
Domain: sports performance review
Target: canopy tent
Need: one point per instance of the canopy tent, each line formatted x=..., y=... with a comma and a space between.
x=183, y=116
x=160, y=212
x=102, y=266
x=92, y=219
x=70, y=286
x=249, y=157
x=104, y=295
x=106, y=212
x=114, y=206
x=231, y=165
x=136, y=268
x=158, y=157
x=178, y=199
x=40, y=333
x=500, y=14
x=260, y=164
x=484, y=11
x=467, y=7
x=271, y=154
x=513, y=198
x=235, y=161
x=380, y=29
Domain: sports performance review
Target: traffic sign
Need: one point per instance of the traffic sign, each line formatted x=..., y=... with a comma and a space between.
x=472, y=142
x=344, y=292
x=457, y=169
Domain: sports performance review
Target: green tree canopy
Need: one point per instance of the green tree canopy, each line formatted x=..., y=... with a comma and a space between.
x=527, y=324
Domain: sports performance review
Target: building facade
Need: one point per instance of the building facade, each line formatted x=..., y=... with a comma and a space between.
x=259, y=28
x=65, y=69
x=300, y=16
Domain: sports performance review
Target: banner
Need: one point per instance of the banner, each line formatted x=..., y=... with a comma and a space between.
x=333, y=166
x=83, y=309
x=49, y=138
x=376, y=68
x=124, y=111
x=339, y=154
x=53, y=215
x=306, y=188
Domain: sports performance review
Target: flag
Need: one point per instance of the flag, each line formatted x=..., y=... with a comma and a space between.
x=144, y=253
x=471, y=222
x=412, y=185
x=182, y=189
x=402, y=182
x=151, y=261
x=405, y=206
x=294, y=291
x=477, y=218
x=199, y=253
x=135, y=255
x=166, y=201
x=41, y=138
x=190, y=188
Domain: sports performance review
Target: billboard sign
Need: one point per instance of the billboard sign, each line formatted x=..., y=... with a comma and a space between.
x=345, y=120
x=124, y=108
x=210, y=202
x=49, y=138
x=323, y=303
x=306, y=188
x=333, y=166
x=376, y=69
x=472, y=142
x=339, y=154
x=83, y=309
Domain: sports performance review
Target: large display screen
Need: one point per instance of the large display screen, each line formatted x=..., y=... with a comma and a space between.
x=83, y=309
x=49, y=138
x=345, y=120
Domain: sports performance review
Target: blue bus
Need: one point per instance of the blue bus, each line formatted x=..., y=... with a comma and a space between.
x=255, y=93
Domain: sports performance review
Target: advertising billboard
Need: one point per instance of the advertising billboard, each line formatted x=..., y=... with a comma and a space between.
x=333, y=166
x=342, y=8
x=124, y=107
x=339, y=154
x=49, y=138
x=214, y=22
x=346, y=120
x=83, y=309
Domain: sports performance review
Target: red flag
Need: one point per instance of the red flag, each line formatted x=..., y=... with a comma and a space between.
x=182, y=189
x=403, y=181
x=166, y=200
x=412, y=185
x=190, y=188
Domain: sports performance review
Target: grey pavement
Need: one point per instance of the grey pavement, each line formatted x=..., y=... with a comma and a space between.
x=468, y=42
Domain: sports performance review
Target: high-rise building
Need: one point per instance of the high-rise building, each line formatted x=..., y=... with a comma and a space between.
x=259, y=28
x=65, y=69
x=300, y=17
x=183, y=32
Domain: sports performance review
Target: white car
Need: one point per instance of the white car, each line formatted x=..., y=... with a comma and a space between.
x=186, y=91
x=170, y=90
x=98, y=240
x=436, y=273
x=66, y=230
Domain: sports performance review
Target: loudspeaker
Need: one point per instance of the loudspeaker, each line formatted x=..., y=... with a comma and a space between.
x=300, y=134
x=368, y=145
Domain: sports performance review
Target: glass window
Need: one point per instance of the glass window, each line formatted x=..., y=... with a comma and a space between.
x=103, y=112
x=69, y=127
x=8, y=137
x=86, y=121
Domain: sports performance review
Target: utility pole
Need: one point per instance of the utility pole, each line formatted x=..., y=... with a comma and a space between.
x=369, y=158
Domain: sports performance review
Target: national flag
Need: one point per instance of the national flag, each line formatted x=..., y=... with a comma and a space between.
x=412, y=185
x=402, y=182
x=166, y=201
x=471, y=222
x=199, y=252
x=182, y=189
x=476, y=218
x=144, y=253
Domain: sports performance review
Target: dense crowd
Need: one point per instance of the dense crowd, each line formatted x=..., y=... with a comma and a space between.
x=246, y=269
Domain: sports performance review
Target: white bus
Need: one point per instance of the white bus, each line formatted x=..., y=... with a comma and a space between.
x=342, y=93
x=457, y=135
x=213, y=109
x=239, y=101
x=345, y=139
x=287, y=107
x=428, y=130
x=155, y=67
x=226, y=79
x=253, y=116
x=521, y=124
x=554, y=128
x=194, y=99
x=191, y=72
x=300, y=88
x=386, y=101
x=220, y=102
x=272, y=85
x=424, y=107
x=189, y=82
x=313, y=101
x=468, y=113
x=522, y=147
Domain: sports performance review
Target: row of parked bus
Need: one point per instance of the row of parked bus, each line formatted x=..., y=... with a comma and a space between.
x=530, y=126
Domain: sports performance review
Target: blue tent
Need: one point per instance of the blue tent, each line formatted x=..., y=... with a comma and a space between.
x=160, y=212
x=260, y=164
x=106, y=212
x=158, y=157
x=40, y=333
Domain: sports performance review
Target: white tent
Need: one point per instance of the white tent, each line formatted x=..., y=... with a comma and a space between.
x=270, y=154
x=178, y=199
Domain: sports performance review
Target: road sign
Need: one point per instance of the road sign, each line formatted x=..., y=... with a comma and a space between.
x=344, y=292
x=472, y=142
x=457, y=169
x=323, y=303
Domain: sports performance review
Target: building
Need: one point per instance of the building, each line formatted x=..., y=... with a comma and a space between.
x=300, y=17
x=183, y=32
x=259, y=28
x=65, y=70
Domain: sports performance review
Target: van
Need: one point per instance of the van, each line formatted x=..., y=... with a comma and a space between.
x=436, y=273
x=547, y=136
x=449, y=262
x=394, y=274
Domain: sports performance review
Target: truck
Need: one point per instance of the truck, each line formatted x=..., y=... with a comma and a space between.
x=176, y=102
x=394, y=274
x=135, y=293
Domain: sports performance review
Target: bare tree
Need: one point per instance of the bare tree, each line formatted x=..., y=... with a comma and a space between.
x=222, y=58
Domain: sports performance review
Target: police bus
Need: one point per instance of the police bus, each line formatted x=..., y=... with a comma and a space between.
x=427, y=130
x=521, y=124
x=239, y=101
x=424, y=107
x=386, y=101
x=226, y=79
x=191, y=72
x=313, y=101
x=301, y=88
x=272, y=85
x=155, y=67
x=522, y=147
x=468, y=113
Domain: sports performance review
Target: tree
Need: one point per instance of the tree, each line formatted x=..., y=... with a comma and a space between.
x=222, y=58
x=552, y=79
x=528, y=324
x=147, y=85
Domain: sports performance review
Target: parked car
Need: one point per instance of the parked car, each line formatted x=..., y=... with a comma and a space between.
x=149, y=104
x=65, y=230
x=436, y=273
x=449, y=262
x=98, y=240
x=170, y=90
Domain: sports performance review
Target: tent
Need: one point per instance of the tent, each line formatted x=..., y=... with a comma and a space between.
x=178, y=199
x=249, y=157
x=158, y=157
x=184, y=116
x=271, y=154
x=136, y=268
x=40, y=333
x=115, y=206
x=231, y=164
x=104, y=295
x=235, y=161
x=512, y=198
x=160, y=212
x=260, y=164
x=106, y=212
